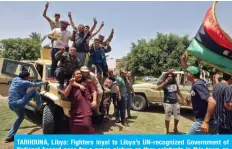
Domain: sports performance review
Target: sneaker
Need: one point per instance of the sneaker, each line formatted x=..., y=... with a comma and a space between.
x=9, y=139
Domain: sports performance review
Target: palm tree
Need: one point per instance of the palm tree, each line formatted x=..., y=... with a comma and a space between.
x=37, y=37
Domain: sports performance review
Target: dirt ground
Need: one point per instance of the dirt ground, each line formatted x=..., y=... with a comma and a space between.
x=150, y=121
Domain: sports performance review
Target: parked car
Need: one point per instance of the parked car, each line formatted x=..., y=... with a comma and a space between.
x=146, y=93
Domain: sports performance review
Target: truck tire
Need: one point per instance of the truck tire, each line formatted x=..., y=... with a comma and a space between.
x=139, y=103
x=48, y=123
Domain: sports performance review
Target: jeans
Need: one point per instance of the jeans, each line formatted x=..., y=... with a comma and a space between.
x=82, y=57
x=102, y=68
x=120, y=109
x=128, y=104
x=195, y=129
x=54, y=61
x=19, y=106
x=61, y=75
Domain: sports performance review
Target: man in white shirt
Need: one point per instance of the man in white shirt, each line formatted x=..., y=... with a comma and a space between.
x=61, y=38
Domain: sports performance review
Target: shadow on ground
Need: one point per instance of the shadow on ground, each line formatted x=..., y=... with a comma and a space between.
x=186, y=113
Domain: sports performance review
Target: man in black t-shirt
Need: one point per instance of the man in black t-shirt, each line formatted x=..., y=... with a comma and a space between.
x=203, y=104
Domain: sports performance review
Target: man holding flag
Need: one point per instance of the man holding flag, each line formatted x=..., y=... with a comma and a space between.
x=203, y=104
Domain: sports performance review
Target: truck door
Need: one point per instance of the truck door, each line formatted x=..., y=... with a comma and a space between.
x=11, y=69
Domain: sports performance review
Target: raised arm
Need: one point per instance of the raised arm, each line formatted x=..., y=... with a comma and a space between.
x=110, y=36
x=183, y=60
x=95, y=33
x=45, y=12
x=71, y=21
x=160, y=87
x=181, y=96
x=94, y=25
x=69, y=88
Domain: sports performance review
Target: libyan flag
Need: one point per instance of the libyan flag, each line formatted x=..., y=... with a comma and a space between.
x=211, y=44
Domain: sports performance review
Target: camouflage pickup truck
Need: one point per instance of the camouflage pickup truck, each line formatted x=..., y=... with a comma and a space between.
x=146, y=93
x=55, y=112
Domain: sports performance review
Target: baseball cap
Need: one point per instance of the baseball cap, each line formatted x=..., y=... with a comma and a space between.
x=85, y=69
x=192, y=69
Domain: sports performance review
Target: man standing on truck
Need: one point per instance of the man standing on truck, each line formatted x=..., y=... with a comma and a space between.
x=19, y=98
x=203, y=104
x=97, y=55
x=53, y=24
x=68, y=63
x=61, y=36
x=222, y=93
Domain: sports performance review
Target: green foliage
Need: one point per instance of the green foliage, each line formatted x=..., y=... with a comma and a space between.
x=157, y=55
x=37, y=37
x=21, y=49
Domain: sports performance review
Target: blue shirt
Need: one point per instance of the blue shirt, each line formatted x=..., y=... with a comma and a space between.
x=199, y=94
x=18, y=88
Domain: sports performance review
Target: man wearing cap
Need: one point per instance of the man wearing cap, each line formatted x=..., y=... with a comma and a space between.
x=19, y=97
x=87, y=74
x=222, y=93
x=53, y=24
x=61, y=36
x=203, y=104
x=68, y=62
x=98, y=57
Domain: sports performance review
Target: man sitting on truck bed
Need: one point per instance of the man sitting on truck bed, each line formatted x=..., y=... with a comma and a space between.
x=68, y=63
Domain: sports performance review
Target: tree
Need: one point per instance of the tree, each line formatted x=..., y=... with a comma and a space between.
x=37, y=37
x=20, y=49
x=157, y=55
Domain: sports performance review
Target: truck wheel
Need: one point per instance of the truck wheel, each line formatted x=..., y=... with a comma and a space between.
x=48, y=123
x=139, y=103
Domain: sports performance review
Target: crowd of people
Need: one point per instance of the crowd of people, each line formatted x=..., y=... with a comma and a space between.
x=213, y=113
x=85, y=68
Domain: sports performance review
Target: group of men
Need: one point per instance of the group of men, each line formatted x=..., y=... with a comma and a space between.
x=122, y=92
x=85, y=57
x=81, y=53
x=213, y=113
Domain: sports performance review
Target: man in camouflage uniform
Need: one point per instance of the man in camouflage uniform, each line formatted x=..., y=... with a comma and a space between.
x=68, y=62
